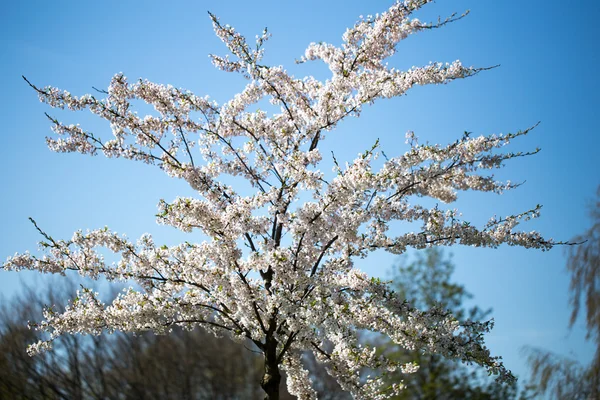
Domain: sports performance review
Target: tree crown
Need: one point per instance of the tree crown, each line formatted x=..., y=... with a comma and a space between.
x=279, y=274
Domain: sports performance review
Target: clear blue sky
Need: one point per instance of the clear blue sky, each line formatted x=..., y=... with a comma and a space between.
x=548, y=53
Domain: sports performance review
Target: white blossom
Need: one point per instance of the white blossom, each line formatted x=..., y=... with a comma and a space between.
x=279, y=274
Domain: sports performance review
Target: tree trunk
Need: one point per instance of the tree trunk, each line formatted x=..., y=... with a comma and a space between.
x=272, y=377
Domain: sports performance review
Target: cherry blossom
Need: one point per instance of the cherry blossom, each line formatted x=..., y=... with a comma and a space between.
x=274, y=271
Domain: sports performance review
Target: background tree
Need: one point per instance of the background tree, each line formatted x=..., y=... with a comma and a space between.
x=564, y=377
x=77, y=369
x=277, y=273
x=426, y=283
x=185, y=365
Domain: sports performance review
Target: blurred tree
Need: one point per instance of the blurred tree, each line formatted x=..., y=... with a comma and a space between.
x=562, y=377
x=185, y=365
x=425, y=282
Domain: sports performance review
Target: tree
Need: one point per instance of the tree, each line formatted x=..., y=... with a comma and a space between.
x=78, y=368
x=564, y=377
x=279, y=274
x=426, y=283
x=183, y=365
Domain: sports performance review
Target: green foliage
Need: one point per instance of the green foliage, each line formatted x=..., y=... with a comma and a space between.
x=425, y=282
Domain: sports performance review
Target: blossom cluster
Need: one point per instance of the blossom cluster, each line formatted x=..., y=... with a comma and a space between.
x=270, y=271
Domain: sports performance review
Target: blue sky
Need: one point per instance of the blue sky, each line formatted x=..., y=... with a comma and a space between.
x=548, y=57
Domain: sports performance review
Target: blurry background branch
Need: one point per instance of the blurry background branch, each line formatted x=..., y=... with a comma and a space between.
x=562, y=377
x=183, y=365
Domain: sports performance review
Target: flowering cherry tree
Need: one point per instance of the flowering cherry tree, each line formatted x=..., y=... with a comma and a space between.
x=274, y=271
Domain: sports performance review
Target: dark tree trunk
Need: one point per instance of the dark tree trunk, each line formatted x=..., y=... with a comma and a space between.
x=272, y=377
